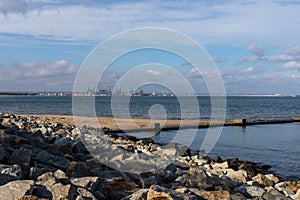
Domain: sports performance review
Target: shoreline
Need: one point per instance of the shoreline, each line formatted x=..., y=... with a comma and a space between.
x=144, y=125
x=41, y=158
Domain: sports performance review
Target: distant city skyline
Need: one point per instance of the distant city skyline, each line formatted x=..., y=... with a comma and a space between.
x=255, y=45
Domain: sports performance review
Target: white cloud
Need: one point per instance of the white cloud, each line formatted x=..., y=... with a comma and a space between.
x=219, y=59
x=292, y=65
x=217, y=23
x=249, y=69
x=152, y=72
x=256, y=50
x=34, y=76
x=7, y=6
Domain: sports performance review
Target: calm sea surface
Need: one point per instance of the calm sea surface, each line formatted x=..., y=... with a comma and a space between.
x=277, y=144
x=252, y=108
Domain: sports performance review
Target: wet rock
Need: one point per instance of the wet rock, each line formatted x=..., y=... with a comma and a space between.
x=216, y=159
x=249, y=168
x=21, y=157
x=233, y=163
x=16, y=189
x=78, y=169
x=216, y=195
x=250, y=191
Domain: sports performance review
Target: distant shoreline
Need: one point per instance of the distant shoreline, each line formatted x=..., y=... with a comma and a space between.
x=59, y=94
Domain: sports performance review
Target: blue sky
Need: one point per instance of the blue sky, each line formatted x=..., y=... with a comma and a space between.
x=255, y=44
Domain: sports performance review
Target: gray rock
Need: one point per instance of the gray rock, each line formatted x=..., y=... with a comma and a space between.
x=60, y=191
x=78, y=169
x=3, y=154
x=262, y=180
x=52, y=160
x=39, y=140
x=21, y=157
x=158, y=192
x=78, y=147
x=90, y=183
x=59, y=150
x=197, y=178
x=250, y=191
x=63, y=142
x=272, y=177
x=275, y=195
x=16, y=189
x=46, y=179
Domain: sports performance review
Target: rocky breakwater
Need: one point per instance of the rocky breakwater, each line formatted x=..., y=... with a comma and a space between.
x=40, y=159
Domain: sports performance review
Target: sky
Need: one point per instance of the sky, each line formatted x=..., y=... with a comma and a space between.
x=255, y=44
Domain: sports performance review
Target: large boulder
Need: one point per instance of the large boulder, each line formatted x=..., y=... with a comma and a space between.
x=21, y=157
x=51, y=160
x=274, y=194
x=262, y=180
x=16, y=189
x=250, y=191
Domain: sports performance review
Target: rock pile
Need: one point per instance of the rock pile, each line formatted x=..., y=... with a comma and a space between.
x=40, y=159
